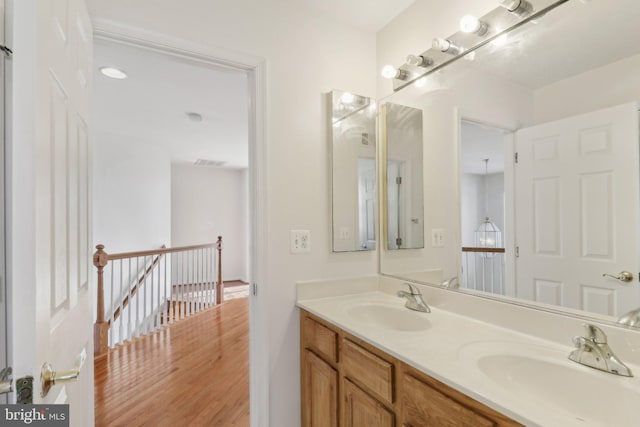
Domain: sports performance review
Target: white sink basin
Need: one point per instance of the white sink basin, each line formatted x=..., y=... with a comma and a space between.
x=389, y=317
x=545, y=377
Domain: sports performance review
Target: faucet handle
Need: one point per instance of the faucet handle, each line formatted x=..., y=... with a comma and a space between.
x=595, y=334
x=412, y=289
x=583, y=344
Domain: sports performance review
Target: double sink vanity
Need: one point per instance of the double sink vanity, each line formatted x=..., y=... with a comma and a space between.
x=528, y=117
x=367, y=360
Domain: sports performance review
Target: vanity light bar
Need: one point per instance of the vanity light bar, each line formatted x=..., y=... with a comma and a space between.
x=510, y=15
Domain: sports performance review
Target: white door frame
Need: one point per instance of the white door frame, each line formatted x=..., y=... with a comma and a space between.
x=256, y=71
x=21, y=185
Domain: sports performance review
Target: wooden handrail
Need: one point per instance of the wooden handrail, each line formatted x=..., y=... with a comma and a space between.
x=136, y=285
x=101, y=260
x=490, y=250
x=160, y=251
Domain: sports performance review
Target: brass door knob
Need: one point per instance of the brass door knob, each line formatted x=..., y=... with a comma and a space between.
x=623, y=276
x=49, y=377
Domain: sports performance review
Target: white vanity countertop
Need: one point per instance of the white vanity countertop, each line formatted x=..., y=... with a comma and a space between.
x=456, y=350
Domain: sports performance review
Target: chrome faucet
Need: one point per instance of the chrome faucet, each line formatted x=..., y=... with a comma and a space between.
x=631, y=318
x=452, y=283
x=414, y=299
x=592, y=350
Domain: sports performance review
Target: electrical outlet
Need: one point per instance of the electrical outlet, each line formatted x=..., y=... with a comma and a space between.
x=437, y=237
x=300, y=241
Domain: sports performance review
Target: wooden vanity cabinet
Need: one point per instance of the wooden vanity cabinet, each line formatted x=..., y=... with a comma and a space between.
x=349, y=383
x=319, y=392
x=362, y=410
x=425, y=401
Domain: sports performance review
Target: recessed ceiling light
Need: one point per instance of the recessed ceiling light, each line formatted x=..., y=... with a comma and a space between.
x=194, y=117
x=113, y=73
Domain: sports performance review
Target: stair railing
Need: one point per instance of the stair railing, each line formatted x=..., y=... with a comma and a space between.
x=141, y=292
x=483, y=269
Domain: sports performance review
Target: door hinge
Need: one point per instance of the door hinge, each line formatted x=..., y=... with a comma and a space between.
x=515, y=157
x=398, y=180
x=517, y=251
x=7, y=52
x=254, y=289
x=398, y=241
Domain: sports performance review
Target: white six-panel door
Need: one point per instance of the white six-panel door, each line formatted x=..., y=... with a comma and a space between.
x=63, y=238
x=576, y=202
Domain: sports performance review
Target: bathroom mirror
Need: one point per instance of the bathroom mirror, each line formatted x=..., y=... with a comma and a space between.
x=531, y=172
x=402, y=138
x=353, y=172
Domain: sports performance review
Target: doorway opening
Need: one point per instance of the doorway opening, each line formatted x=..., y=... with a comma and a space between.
x=171, y=156
x=483, y=229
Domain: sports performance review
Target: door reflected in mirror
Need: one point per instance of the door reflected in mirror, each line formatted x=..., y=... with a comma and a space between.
x=404, y=193
x=353, y=172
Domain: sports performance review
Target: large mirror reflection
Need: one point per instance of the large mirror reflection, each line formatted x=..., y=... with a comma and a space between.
x=531, y=163
x=353, y=172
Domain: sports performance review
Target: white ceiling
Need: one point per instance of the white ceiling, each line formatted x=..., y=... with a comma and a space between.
x=151, y=104
x=480, y=142
x=370, y=15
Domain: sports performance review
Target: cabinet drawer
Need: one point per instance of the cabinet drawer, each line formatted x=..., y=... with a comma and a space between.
x=321, y=338
x=425, y=406
x=371, y=371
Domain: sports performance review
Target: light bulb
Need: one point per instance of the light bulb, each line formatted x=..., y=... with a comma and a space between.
x=419, y=61
x=389, y=71
x=471, y=24
x=520, y=8
x=444, y=45
x=347, y=98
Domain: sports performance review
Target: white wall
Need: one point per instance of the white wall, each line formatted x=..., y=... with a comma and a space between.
x=131, y=194
x=602, y=87
x=207, y=203
x=307, y=56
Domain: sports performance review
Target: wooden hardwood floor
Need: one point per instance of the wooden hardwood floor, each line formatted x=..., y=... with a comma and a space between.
x=193, y=373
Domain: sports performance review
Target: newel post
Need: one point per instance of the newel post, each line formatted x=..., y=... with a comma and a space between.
x=220, y=287
x=101, y=328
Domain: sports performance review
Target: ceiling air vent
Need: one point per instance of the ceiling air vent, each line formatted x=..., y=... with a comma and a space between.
x=209, y=163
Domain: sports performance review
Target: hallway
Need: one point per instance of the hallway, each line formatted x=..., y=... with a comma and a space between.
x=193, y=373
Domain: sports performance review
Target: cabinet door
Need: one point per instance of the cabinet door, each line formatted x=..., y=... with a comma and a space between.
x=362, y=410
x=319, y=392
x=422, y=405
